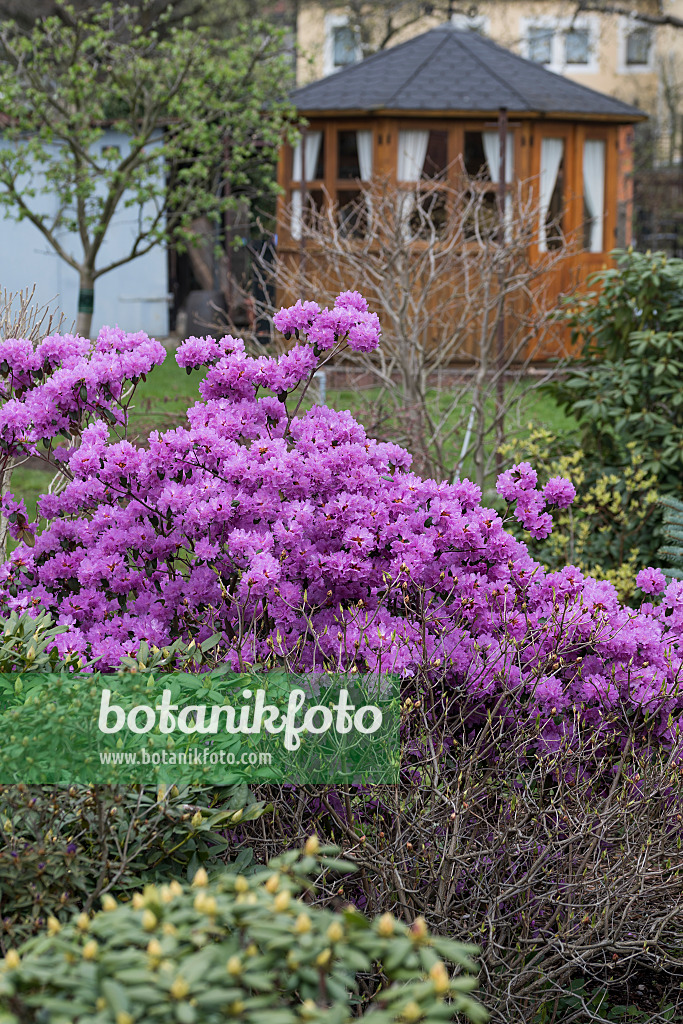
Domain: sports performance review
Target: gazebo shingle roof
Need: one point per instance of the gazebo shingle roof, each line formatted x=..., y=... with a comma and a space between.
x=446, y=69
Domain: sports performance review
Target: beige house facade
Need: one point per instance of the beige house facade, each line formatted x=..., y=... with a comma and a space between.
x=638, y=63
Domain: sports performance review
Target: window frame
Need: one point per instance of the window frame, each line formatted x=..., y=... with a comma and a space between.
x=333, y=21
x=626, y=27
x=558, y=44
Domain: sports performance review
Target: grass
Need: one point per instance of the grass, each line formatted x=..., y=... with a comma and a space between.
x=162, y=400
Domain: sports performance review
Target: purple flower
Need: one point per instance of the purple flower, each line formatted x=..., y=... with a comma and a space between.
x=559, y=492
x=516, y=481
x=651, y=581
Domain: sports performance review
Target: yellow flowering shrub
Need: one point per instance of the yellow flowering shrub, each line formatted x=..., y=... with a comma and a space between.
x=609, y=531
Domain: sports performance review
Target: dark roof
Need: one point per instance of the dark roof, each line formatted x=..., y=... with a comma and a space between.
x=447, y=69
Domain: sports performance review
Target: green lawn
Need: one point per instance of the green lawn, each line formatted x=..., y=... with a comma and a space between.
x=161, y=403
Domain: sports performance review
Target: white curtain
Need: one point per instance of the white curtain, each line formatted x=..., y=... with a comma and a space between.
x=312, y=144
x=552, y=151
x=364, y=144
x=491, y=142
x=412, y=150
x=594, y=189
x=296, y=222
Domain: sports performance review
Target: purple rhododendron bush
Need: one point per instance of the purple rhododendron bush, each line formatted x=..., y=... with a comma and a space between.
x=540, y=812
x=304, y=542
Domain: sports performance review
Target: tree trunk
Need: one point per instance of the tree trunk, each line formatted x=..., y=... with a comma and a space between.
x=86, y=293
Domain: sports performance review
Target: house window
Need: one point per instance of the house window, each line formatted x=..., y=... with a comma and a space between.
x=470, y=23
x=540, y=44
x=341, y=44
x=577, y=46
x=638, y=47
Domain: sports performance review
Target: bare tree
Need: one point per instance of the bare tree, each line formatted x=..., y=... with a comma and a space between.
x=376, y=23
x=463, y=306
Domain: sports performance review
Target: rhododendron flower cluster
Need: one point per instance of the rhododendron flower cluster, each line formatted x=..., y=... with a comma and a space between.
x=303, y=541
x=58, y=385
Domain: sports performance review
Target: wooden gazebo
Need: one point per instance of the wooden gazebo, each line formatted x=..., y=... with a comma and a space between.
x=433, y=105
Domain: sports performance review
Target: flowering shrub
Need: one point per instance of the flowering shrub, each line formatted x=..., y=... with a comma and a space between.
x=304, y=542
x=612, y=528
x=239, y=948
x=58, y=386
x=63, y=848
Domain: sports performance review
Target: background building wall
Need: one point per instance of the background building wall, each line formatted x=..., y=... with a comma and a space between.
x=134, y=296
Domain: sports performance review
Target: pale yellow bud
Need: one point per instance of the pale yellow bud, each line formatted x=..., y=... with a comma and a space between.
x=439, y=976
x=176, y=888
x=197, y=819
x=251, y=950
x=90, y=949
x=122, y=1017
x=12, y=959
x=200, y=879
x=205, y=904
x=273, y=883
x=53, y=926
x=149, y=920
x=412, y=1012
x=241, y=884
x=108, y=902
x=83, y=922
x=168, y=928
x=323, y=959
x=312, y=846
x=418, y=929
x=179, y=988
x=138, y=901
x=386, y=925
x=236, y=1008
x=234, y=966
x=335, y=932
x=154, y=948
x=308, y=1009
x=303, y=924
x=100, y=1003
x=281, y=902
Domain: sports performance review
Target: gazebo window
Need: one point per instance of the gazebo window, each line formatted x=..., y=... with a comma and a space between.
x=354, y=155
x=352, y=214
x=482, y=162
x=594, y=194
x=436, y=158
x=422, y=157
x=552, y=194
x=354, y=165
x=304, y=208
